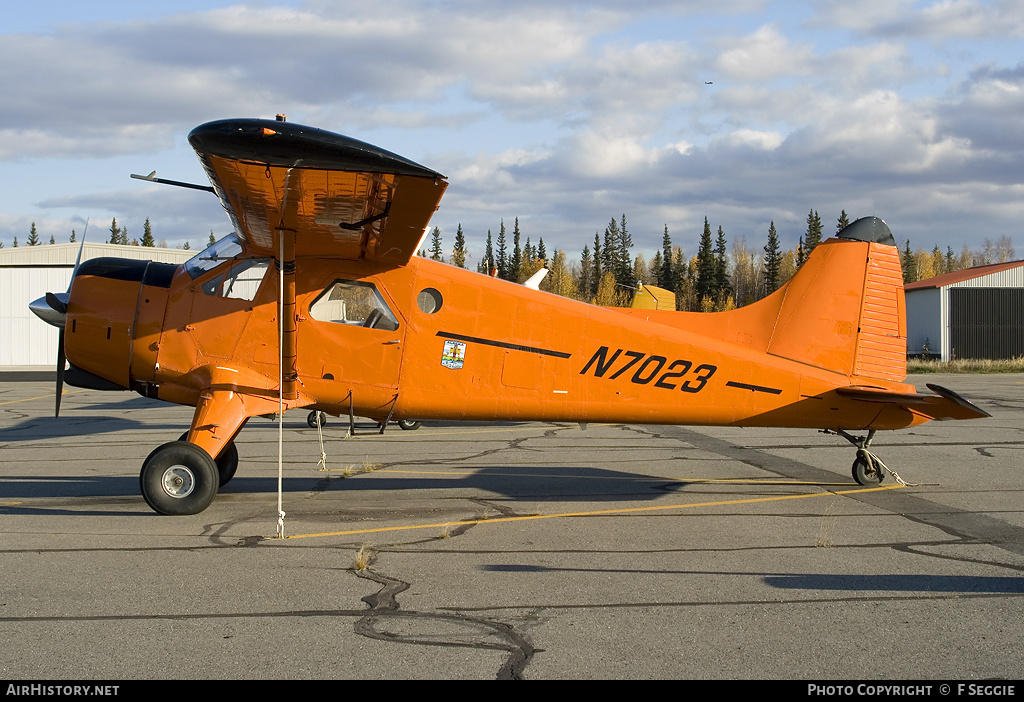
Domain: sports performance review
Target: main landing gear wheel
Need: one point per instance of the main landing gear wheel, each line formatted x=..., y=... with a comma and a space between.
x=316, y=418
x=227, y=461
x=866, y=471
x=408, y=424
x=179, y=478
x=227, y=464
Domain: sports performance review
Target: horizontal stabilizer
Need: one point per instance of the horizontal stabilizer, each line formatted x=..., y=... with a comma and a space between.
x=945, y=404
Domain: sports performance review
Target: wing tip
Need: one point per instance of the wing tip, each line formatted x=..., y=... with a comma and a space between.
x=294, y=145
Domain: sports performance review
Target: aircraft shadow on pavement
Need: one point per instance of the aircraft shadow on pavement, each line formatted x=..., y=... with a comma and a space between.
x=844, y=582
x=534, y=483
x=43, y=428
x=897, y=583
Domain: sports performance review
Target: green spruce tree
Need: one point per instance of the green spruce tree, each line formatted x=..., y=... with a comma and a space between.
x=436, y=249
x=667, y=274
x=772, y=261
x=813, y=236
x=723, y=286
x=516, y=262
x=487, y=262
x=33, y=237
x=909, y=264
x=585, y=284
x=503, y=263
x=624, y=260
x=705, y=283
x=459, y=252
x=843, y=222
x=147, y=234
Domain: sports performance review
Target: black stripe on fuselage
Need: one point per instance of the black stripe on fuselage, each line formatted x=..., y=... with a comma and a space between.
x=754, y=388
x=504, y=344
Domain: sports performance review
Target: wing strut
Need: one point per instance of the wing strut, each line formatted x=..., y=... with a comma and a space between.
x=288, y=374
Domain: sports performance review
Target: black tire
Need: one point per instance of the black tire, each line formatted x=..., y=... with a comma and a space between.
x=867, y=472
x=227, y=464
x=227, y=461
x=313, y=417
x=409, y=424
x=179, y=478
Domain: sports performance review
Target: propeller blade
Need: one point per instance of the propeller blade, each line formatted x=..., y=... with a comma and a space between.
x=60, y=370
x=78, y=261
x=56, y=303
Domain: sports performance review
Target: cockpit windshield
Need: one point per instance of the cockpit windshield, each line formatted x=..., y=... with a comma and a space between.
x=212, y=256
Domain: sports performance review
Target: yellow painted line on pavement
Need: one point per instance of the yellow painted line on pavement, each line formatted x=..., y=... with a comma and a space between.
x=41, y=397
x=623, y=510
x=657, y=478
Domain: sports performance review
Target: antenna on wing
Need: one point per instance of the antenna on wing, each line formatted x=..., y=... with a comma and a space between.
x=163, y=181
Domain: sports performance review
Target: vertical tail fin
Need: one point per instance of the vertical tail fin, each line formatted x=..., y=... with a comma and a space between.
x=844, y=310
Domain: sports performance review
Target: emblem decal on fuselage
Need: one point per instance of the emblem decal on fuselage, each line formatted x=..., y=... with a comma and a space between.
x=454, y=354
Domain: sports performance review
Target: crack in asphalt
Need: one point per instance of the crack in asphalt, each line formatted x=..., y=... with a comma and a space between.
x=385, y=619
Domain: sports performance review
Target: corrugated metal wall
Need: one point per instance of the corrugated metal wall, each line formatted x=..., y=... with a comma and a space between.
x=986, y=322
x=28, y=272
x=25, y=340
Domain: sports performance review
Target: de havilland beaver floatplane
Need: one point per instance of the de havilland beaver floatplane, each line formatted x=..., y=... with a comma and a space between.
x=319, y=301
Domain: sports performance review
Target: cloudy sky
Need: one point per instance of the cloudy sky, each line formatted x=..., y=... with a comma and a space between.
x=563, y=115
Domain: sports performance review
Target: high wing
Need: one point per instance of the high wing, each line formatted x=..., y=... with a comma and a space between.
x=342, y=197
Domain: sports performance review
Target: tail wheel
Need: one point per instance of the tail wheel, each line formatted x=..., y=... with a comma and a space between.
x=866, y=471
x=179, y=478
x=409, y=424
x=314, y=419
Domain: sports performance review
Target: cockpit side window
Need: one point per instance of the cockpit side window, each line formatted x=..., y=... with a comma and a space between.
x=241, y=281
x=354, y=303
x=213, y=255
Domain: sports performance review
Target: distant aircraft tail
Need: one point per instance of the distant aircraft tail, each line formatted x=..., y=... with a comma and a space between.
x=843, y=311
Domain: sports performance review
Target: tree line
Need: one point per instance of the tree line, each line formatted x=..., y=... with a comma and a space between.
x=117, y=235
x=718, y=277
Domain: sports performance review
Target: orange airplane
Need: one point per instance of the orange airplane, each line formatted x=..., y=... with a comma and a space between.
x=319, y=301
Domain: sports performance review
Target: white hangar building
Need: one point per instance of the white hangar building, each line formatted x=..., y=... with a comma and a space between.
x=972, y=313
x=29, y=272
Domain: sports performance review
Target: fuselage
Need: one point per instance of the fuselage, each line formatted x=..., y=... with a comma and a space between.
x=429, y=340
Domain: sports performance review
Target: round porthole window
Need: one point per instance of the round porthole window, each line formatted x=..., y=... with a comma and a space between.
x=429, y=301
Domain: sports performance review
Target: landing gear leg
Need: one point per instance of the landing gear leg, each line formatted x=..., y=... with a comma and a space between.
x=868, y=468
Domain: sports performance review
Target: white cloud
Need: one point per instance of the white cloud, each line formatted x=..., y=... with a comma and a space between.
x=562, y=115
x=766, y=141
x=764, y=55
x=938, y=21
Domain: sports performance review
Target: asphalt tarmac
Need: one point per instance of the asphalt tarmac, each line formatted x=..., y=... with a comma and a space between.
x=515, y=550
